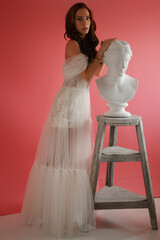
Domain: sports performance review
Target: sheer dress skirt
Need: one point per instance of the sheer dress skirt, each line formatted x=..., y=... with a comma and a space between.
x=58, y=197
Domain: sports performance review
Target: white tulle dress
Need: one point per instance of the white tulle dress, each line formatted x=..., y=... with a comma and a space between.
x=58, y=197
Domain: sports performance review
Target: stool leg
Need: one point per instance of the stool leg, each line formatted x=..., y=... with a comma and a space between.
x=110, y=166
x=146, y=176
x=97, y=155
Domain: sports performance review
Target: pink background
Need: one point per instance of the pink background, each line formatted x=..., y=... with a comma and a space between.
x=32, y=54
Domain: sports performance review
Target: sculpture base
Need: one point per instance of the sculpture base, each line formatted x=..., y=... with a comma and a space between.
x=117, y=110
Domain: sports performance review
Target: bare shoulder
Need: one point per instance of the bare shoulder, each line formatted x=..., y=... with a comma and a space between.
x=72, y=48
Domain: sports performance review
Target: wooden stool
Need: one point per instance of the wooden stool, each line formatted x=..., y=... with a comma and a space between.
x=113, y=197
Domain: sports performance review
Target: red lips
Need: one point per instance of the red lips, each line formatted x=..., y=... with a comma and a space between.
x=85, y=28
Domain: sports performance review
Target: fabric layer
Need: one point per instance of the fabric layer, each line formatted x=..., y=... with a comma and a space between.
x=58, y=197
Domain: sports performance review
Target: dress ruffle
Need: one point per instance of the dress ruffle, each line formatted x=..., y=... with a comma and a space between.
x=65, y=205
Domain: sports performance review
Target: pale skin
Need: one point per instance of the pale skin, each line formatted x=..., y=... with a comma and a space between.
x=82, y=24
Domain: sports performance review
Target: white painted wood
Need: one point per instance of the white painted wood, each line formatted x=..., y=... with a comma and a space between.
x=117, y=194
x=118, y=198
x=146, y=175
x=120, y=154
x=128, y=121
x=116, y=150
x=112, y=197
x=110, y=166
x=97, y=155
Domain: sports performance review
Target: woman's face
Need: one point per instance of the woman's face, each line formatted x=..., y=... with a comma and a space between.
x=82, y=21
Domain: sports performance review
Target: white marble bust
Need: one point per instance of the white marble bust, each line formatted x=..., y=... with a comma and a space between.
x=117, y=87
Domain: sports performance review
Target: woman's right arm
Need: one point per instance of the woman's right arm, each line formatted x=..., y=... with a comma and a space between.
x=72, y=48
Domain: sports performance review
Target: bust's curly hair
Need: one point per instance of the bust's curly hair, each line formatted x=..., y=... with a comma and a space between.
x=89, y=43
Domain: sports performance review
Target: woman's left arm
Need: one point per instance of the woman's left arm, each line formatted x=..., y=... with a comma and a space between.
x=99, y=70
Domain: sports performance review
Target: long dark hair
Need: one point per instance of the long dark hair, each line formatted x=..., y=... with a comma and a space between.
x=89, y=43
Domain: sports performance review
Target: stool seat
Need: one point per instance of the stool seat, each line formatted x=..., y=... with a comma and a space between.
x=114, y=197
x=119, y=154
x=114, y=121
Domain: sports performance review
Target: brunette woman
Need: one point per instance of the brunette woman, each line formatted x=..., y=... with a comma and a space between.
x=58, y=197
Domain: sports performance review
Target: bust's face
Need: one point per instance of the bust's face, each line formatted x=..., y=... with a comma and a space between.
x=118, y=63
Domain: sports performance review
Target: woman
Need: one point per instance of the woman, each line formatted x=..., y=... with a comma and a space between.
x=58, y=197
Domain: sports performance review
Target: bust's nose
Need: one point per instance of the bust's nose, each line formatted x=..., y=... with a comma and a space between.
x=124, y=64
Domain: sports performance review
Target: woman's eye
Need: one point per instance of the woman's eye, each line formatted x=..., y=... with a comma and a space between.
x=80, y=19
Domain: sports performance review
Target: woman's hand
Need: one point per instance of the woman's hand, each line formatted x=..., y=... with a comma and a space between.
x=104, y=46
